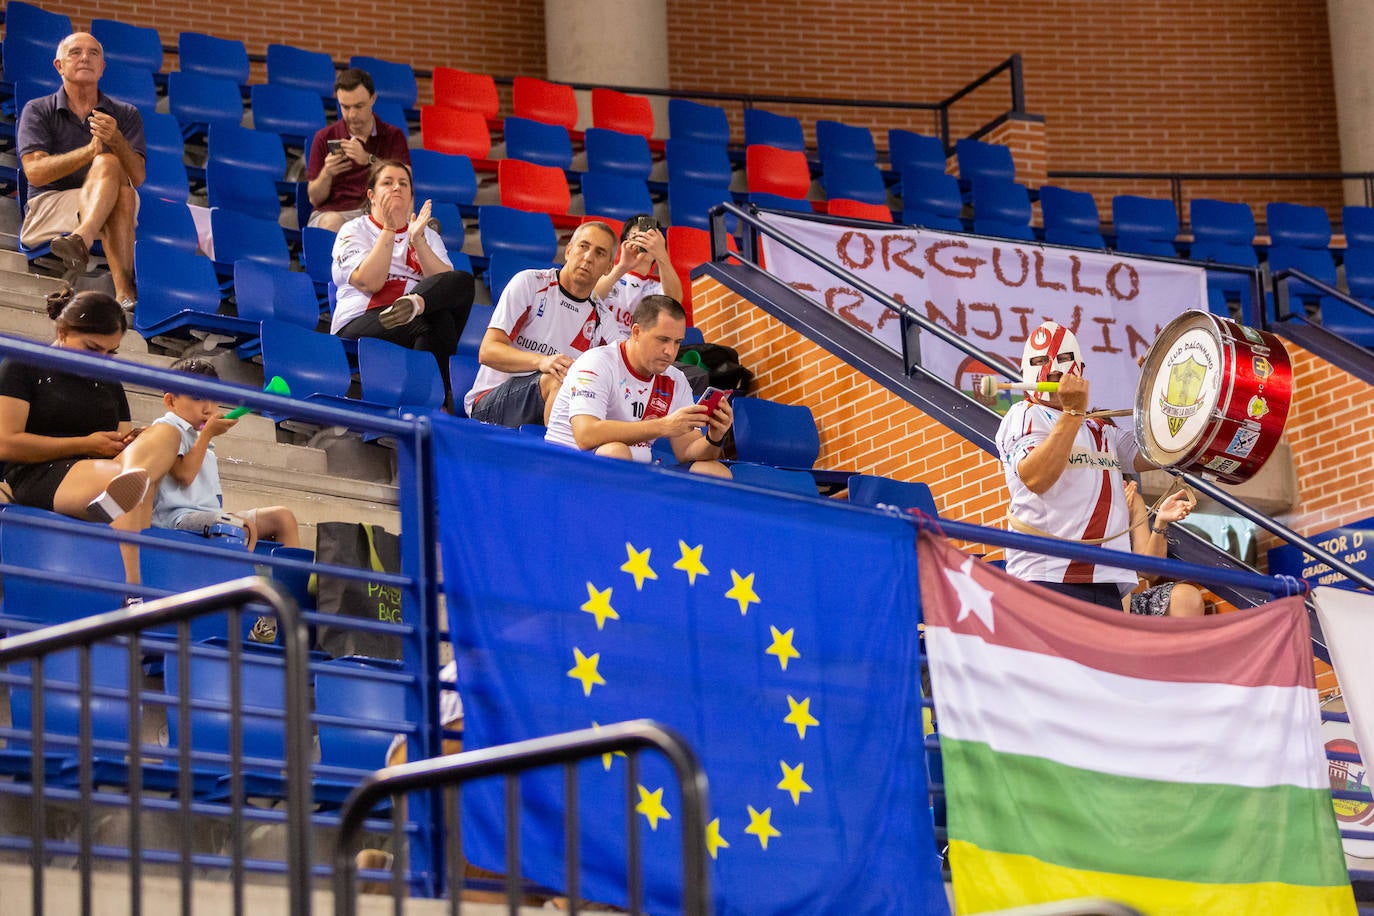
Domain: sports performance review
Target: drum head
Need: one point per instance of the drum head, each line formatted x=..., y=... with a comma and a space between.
x=1180, y=383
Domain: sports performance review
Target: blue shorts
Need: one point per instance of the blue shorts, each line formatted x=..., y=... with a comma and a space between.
x=515, y=402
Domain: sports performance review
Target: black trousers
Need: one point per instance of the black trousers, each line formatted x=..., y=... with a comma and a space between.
x=448, y=301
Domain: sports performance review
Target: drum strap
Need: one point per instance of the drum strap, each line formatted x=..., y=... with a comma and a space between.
x=1017, y=524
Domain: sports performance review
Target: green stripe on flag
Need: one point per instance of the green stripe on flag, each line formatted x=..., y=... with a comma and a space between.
x=1209, y=833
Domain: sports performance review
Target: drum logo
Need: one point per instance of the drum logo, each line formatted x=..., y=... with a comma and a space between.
x=1183, y=392
x=1263, y=368
x=1243, y=443
x=1257, y=408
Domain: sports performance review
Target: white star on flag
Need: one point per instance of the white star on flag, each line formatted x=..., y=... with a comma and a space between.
x=973, y=598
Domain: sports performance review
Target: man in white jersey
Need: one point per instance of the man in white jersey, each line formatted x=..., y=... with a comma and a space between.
x=642, y=248
x=1064, y=470
x=619, y=398
x=543, y=316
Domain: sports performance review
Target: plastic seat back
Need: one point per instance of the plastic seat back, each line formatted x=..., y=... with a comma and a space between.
x=240, y=235
x=397, y=376
x=541, y=100
x=615, y=196
x=394, y=82
x=222, y=58
x=1145, y=225
x=198, y=101
x=872, y=490
x=317, y=253
x=688, y=120
x=162, y=133
x=32, y=35
x=462, y=375
x=468, y=91
x=1071, y=217
x=265, y=293
x=133, y=85
x=172, y=281
x=371, y=695
x=538, y=142
x=1358, y=225
x=452, y=130
x=775, y=170
x=292, y=113
x=296, y=68
x=531, y=235
x=502, y=267
x=470, y=340
x=932, y=199
x=910, y=152
x=838, y=140
x=620, y=111
x=79, y=552
x=167, y=223
x=262, y=683
x=853, y=179
x=532, y=187
x=1298, y=225
x=858, y=209
x=443, y=177
x=769, y=432
x=765, y=128
x=1001, y=208
x=984, y=160
x=772, y=478
x=232, y=186
x=690, y=202
x=127, y=44
x=258, y=150
x=613, y=152
x=704, y=163
x=309, y=362
x=164, y=178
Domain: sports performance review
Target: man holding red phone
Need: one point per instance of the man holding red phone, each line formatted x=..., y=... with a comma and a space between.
x=616, y=400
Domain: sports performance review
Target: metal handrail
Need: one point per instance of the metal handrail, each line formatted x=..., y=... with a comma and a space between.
x=82, y=634
x=518, y=757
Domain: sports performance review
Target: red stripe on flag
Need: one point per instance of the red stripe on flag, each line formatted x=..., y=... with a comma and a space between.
x=1269, y=645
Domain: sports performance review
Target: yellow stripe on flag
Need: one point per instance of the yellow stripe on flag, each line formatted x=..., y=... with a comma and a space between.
x=992, y=880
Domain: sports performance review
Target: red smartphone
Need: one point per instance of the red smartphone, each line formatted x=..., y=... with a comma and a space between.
x=711, y=399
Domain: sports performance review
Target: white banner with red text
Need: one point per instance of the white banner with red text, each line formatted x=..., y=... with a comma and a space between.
x=993, y=293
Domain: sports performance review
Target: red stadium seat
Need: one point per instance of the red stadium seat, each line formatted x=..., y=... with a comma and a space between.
x=629, y=114
x=468, y=91
x=858, y=209
x=536, y=189
x=541, y=100
x=453, y=130
x=770, y=170
x=687, y=248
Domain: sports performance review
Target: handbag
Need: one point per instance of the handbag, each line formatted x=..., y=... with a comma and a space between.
x=365, y=547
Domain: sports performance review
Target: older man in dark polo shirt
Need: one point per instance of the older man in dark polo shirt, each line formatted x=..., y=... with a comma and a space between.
x=83, y=154
x=337, y=176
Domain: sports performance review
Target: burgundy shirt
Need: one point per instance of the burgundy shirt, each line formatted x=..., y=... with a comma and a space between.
x=349, y=190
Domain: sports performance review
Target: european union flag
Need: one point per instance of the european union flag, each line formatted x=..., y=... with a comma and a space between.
x=777, y=634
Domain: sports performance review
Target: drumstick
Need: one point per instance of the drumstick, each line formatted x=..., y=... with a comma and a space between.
x=989, y=386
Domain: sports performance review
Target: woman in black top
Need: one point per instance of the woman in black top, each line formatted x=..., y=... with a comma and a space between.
x=67, y=441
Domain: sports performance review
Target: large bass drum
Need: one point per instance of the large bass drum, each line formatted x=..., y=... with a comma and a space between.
x=1213, y=397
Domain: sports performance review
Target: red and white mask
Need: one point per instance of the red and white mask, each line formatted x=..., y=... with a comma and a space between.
x=1051, y=350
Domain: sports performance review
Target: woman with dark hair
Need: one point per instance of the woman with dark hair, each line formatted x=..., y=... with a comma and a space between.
x=393, y=274
x=67, y=441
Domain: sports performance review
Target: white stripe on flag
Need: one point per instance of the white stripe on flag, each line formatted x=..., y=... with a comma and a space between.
x=1022, y=702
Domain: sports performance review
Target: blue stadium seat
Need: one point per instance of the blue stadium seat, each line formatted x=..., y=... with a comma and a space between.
x=1342, y=318
x=771, y=478
x=688, y=120
x=313, y=365
x=1071, y=217
x=128, y=44
x=530, y=235
x=501, y=267
x=398, y=377
x=444, y=177
x=237, y=235
x=853, y=179
x=293, y=114
x=361, y=705
x=615, y=153
x=31, y=63
x=79, y=553
x=704, y=163
x=470, y=340
x=179, y=296
x=766, y=128
x=296, y=68
x=1145, y=225
x=931, y=199
x=264, y=293
x=198, y=101
x=537, y=142
x=871, y=490
x=462, y=374
x=1358, y=225
x=777, y=202
x=129, y=84
x=162, y=133
x=233, y=186
x=257, y=150
x=984, y=160
x=210, y=55
x=167, y=223
x=838, y=140
x=1300, y=239
x=29, y=47
x=1224, y=232
x=1002, y=208
x=776, y=434
x=452, y=230
x=395, y=82
x=689, y=202
x=616, y=196
x=168, y=570
x=164, y=178
x=391, y=113
x=911, y=152
x=317, y=254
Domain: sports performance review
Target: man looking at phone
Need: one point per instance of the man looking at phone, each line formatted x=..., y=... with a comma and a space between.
x=83, y=154
x=617, y=399
x=342, y=154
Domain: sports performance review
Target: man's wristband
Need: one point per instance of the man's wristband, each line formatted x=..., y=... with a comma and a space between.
x=717, y=444
x=1160, y=530
x=1074, y=413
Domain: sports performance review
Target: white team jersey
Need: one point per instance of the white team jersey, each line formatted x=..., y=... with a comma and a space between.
x=354, y=243
x=539, y=316
x=602, y=384
x=623, y=298
x=1087, y=501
